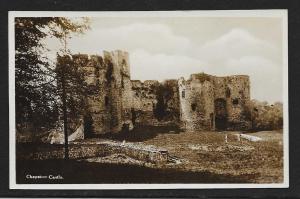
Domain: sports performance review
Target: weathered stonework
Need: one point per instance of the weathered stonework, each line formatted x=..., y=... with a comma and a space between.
x=109, y=97
x=91, y=148
x=203, y=102
x=155, y=103
x=214, y=103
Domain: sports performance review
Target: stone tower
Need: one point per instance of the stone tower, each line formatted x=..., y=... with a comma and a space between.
x=119, y=93
x=214, y=103
x=196, y=102
x=113, y=102
x=109, y=91
x=232, y=93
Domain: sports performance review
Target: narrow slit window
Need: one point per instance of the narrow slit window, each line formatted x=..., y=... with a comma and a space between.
x=235, y=102
x=183, y=94
x=194, y=106
x=106, y=101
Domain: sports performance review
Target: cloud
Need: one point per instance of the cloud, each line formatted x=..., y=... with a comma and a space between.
x=236, y=52
x=156, y=38
x=265, y=76
x=235, y=44
x=159, y=66
x=158, y=52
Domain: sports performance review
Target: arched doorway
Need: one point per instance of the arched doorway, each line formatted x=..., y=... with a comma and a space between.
x=220, y=114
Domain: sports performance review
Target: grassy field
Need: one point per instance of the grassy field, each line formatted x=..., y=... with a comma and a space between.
x=207, y=151
x=205, y=158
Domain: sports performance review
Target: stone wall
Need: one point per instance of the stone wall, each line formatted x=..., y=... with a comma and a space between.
x=116, y=103
x=196, y=103
x=238, y=96
x=90, y=148
x=208, y=102
x=119, y=86
x=155, y=103
x=169, y=100
x=144, y=102
x=109, y=97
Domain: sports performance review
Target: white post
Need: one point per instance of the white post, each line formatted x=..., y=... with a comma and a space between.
x=225, y=138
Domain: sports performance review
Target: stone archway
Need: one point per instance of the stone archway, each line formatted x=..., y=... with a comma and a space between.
x=220, y=114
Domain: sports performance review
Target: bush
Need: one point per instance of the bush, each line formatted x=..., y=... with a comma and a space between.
x=265, y=116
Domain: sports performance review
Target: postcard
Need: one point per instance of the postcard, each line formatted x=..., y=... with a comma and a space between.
x=148, y=99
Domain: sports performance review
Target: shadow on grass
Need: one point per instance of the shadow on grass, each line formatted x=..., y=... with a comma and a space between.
x=74, y=172
x=141, y=133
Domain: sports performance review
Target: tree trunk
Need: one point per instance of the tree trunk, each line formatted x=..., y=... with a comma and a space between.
x=64, y=104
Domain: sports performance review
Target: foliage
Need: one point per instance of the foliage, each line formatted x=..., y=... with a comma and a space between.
x=202, y=77
x=75, y=88
x=36, y=96
x=33, y=77
x=265, y=116
x=165, y=94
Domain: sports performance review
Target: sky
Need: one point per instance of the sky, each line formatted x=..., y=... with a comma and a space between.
x=173, y=47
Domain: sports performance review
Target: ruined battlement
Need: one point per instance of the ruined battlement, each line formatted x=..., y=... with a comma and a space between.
x=202, y=102
x=110, y=105
x=212, y=102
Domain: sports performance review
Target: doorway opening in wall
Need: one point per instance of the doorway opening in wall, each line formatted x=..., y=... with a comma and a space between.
x=220, y=114
x=88, y=125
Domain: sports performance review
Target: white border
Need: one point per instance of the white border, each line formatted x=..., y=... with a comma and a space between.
x=217, y=13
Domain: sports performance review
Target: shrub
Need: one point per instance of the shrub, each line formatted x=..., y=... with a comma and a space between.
x=265, y=116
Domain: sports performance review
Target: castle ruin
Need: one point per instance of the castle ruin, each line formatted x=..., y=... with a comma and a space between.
x=202, y=102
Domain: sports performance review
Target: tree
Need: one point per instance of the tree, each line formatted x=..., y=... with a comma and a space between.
x=70, y=78
x=265, y=116
x=71, y=87
x=34, y=78
x=37, y=97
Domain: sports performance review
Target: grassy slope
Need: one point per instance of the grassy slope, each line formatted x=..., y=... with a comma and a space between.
x=257, y=162
x=208, y=151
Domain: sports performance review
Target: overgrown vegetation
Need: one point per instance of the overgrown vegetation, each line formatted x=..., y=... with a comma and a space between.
x=202, y=77
x=75, y=89
x=44, y=92
x=205, y=151
x=37, y=99
x=199, y=152
x=164, y=94
x=265, y=116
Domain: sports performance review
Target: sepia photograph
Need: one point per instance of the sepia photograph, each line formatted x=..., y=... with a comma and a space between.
x=148, y=99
